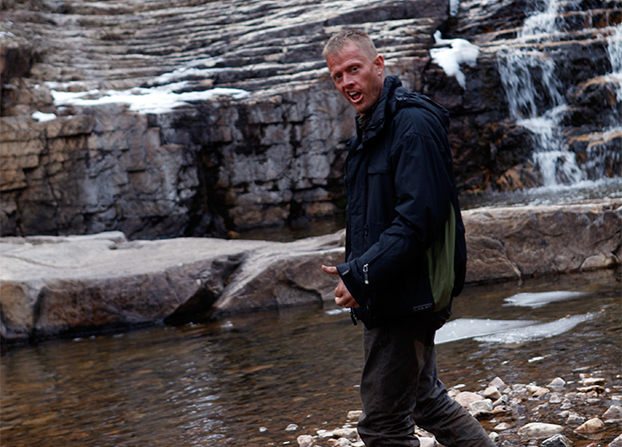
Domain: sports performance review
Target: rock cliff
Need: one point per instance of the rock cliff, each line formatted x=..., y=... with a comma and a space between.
x=193, y=118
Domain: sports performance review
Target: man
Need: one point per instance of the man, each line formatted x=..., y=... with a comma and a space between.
x=405, y=250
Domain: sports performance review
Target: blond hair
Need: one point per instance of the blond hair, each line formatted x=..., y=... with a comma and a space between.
x=338, y=41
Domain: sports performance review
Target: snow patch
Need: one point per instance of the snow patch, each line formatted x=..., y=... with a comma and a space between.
x=43, y=117
x=459, y=51
x=159, y=99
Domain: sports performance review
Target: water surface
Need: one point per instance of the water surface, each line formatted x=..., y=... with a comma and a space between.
x=245, y=379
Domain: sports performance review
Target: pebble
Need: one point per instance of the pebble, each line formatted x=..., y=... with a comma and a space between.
x=575, y=419
x=557, y=441
x=305, y=440
x=593, y=425
x=614, y=413
x=537, y=430
x=617, y=442
x=492, y=392
x=466, y=397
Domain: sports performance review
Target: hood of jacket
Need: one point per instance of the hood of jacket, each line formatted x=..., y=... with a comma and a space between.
x=393, y=97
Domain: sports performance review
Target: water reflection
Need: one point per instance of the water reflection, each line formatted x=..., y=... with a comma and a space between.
x=244, y=380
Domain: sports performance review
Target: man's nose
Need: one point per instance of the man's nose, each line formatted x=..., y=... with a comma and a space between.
x=347, y=80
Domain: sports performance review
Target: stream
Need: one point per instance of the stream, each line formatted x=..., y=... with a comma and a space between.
x=245, y=379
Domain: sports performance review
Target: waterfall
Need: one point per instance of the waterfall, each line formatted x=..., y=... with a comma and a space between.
x=534, y=98
x=614, y=49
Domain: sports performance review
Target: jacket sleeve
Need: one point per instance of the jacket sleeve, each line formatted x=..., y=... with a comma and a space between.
x=423, y=196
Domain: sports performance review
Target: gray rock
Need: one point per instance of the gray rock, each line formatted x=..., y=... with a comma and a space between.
x=54, y=285
x=538, y=430
x=557, y=441
x=617, y=442
x=613, y=413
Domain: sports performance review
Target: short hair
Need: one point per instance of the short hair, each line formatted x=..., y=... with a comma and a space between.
x=338, y=41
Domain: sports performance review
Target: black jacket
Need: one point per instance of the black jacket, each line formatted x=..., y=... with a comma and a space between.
x=400, y=186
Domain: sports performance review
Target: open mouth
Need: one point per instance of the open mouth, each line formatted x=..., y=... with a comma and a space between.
x=355, y=96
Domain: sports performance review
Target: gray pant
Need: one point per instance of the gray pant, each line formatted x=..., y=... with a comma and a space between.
x=400, y=383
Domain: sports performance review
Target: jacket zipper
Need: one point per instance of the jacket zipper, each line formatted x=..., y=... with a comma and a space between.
x=366, y=273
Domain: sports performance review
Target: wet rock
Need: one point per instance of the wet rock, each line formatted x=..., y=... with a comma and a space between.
x=305, y=440
x=481, y=409
x=142, y=282
x=557, y=441
x=465, y=398
x=492, y=393
x=575, y=419
x=557, y=384
x=348, y=433
x=498, y=383
x=538, y=430
x=613, y=413
x=593, y=425
x=505, y=250
x=354, y=415
x=617, y=442
x=502, y=426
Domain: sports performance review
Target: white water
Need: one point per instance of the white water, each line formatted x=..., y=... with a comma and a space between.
x=535, y=100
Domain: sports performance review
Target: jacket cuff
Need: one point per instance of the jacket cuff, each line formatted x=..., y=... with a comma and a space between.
x=353, y=281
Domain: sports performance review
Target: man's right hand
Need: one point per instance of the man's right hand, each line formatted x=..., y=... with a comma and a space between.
x=343, y=297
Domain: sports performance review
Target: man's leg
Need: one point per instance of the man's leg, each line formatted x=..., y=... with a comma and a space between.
x=439, y=414
x=394, y=357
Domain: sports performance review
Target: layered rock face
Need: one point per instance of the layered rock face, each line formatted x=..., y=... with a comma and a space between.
x=192, y=118
x=273, y=155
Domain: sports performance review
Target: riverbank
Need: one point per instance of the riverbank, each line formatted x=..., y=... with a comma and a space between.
x=583, y=412
x=59, y=286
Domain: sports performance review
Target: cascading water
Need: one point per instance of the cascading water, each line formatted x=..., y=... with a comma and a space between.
x=534, y=97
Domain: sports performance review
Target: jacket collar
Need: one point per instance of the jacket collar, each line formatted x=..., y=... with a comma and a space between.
x=380, y=114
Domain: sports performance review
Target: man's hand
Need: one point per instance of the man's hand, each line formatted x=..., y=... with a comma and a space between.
x=343, y=297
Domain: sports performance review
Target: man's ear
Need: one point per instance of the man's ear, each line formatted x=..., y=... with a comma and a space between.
x=379, y=64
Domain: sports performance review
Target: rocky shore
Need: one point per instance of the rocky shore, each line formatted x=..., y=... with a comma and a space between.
x=586, y=412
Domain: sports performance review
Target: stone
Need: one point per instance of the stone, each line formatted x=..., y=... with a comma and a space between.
x=465, y=398
x=55, y=285
x=492, y=393
x=305, y=440
x=539, y=430
x=354, y=415
x=575, y=419
x=498, y=383
x=613, y=413
x=557, y=383
x=593, y=425
x=557, y=441
x=348, y=433
x=617, y=442
x=481, y=409
x=427, y=442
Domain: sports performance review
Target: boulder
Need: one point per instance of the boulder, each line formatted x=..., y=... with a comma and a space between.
x=55, y=285
x=524, y=241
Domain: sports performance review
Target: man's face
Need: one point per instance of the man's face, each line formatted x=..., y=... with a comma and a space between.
x=358, y=78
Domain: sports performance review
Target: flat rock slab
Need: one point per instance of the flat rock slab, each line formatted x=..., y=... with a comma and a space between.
x=55, y=285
